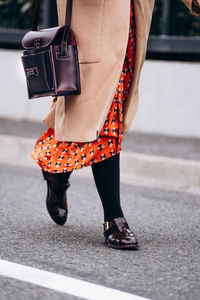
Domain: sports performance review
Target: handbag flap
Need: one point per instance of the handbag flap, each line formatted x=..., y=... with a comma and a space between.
x=43, y=37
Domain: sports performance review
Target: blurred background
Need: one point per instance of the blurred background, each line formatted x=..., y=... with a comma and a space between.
x=169, y=90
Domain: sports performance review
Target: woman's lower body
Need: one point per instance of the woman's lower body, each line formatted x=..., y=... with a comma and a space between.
x=59, y=159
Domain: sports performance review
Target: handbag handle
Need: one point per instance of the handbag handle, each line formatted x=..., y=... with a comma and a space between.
x=67, y=20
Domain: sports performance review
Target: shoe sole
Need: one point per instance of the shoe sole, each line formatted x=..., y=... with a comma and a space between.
x=126, y=247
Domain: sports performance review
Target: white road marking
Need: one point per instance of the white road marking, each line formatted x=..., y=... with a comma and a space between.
x=60, y=283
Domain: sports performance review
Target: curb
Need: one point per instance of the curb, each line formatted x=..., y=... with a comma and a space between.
x=136, y=169
x=161, y=172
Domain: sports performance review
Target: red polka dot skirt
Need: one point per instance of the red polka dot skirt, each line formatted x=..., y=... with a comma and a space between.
x=58, y=157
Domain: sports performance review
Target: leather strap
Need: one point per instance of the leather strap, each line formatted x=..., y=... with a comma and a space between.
x=35, y=15
x=66, y=33
x=117, y=223
x=67, y=18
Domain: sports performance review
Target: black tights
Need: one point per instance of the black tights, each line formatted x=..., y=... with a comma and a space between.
x=107, y=178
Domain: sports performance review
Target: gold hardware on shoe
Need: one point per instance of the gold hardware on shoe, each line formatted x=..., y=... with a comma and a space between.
x=107, y=225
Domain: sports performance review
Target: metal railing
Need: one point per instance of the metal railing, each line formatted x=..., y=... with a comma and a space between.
x=174, y=29
x=11, y=37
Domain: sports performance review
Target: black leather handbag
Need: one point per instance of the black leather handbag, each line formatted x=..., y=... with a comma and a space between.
x=50, y=60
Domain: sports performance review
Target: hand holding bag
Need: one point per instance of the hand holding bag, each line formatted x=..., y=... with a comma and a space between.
x=50, y=60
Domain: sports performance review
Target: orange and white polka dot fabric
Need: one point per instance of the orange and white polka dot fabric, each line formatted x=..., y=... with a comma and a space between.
x=58, y=157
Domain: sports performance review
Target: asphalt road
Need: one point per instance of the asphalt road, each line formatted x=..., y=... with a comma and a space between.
x=167, y=266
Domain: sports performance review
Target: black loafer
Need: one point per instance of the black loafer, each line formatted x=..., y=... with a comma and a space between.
x=56, y=200
x=118, y=235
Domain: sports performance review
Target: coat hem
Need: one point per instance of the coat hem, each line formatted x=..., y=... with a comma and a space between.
x=59, y=136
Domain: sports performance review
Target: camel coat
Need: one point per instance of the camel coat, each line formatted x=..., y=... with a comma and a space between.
x=101, y=28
